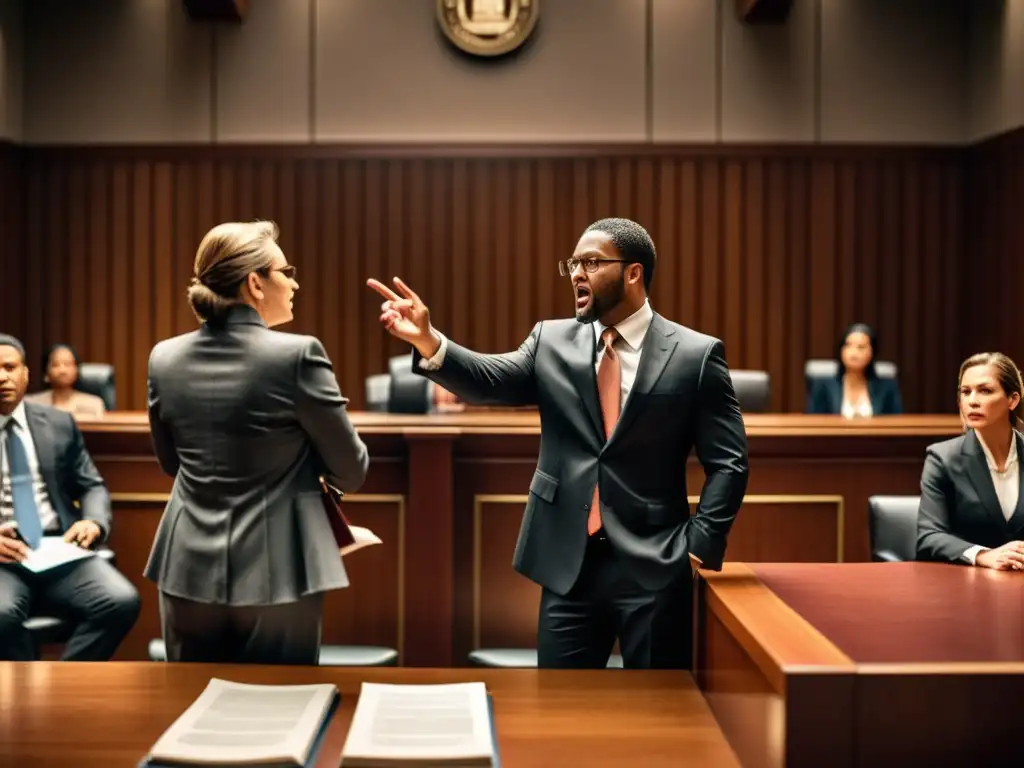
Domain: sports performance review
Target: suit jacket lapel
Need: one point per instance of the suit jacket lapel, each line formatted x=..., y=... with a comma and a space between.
x=1017, y=520
x=976, y=467
x=657, y=351
x=581, y=367
x=42, y=440
x=875, y=387
x=835, y=393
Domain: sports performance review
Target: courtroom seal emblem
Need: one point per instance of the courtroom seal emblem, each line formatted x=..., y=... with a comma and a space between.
x=487, y=27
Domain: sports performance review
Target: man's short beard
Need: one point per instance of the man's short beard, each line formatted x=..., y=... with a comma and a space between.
x=602, y=304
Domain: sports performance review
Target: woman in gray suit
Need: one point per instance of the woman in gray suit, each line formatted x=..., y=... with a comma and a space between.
x=246, y=420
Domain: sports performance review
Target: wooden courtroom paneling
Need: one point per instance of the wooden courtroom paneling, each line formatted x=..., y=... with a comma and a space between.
x=993, y=272
x=445, y=493
x=12, y=257
x=774, y=249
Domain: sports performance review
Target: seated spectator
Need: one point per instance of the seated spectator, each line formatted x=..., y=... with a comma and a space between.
x=857, y=390
x=971, y=508
x=60, y=364
x=49, y=486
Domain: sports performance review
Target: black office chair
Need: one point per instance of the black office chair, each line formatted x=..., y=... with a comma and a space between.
x=407, y=391
x=753, y=390
x=519, y=658
x=98, y=379
x=330, y=655
x=816, y=370
x=892, y=528
x=47, y=630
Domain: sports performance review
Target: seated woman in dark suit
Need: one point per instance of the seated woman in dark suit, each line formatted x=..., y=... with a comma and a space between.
x=972, y=510
x=857, y=390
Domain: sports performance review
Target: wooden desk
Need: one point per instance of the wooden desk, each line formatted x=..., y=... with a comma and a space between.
x=109, y=715
x=863, y=664
x=446, y=493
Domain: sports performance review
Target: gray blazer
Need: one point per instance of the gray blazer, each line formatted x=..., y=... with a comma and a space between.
x=682, y=400
x=246, y=419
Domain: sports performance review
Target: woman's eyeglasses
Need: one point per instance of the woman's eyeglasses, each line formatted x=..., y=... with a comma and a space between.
x=289, y=271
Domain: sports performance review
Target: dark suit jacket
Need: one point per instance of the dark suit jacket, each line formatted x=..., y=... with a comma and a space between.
x=827, y=397
x=246, y=419
x=959, y=507
x=67, y=469
x=682, y=399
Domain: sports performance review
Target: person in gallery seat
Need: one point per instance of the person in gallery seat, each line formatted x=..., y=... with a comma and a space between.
x=49, y=486
x=972, y=509
x=857, y=390
x=61, y=366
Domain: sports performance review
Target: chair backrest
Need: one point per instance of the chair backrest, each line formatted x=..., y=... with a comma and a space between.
x=98, y=379
x=753, y=390
x=400, y=364
x=377, y=388
x=892, y=528
x=409, y=393
x=816, y=370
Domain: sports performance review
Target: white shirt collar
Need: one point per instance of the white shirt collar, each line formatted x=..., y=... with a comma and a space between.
x=1011, y=457
x=19, y=418
x=633, y=328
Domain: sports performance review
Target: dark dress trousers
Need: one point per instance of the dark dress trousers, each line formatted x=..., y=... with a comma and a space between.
x=246, y=419
x=634, y=579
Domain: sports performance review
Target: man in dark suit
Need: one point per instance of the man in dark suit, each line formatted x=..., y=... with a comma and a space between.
x=624, y=395
x=44, y=469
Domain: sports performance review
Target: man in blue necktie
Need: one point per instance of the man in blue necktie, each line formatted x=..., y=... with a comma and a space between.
x=44, y=470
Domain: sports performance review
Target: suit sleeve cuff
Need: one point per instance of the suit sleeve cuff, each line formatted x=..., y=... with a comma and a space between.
x=434, y=363
x=971, y=555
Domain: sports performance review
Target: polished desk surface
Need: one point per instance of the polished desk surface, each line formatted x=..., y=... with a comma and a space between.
x=109, y=714
x=527, y=421
x=919, y=663
x=904, y=613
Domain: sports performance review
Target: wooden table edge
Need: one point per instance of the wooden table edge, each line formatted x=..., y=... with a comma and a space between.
x=778, y=639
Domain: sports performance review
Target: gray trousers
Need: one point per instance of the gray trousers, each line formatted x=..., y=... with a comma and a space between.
x=288, y=633
x=91, y=594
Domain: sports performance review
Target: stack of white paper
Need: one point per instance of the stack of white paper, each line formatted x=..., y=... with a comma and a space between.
x=418, y=725
x=53, y=551
x=236, y=724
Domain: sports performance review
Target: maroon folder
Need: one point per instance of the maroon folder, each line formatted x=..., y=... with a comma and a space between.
x=332, y=506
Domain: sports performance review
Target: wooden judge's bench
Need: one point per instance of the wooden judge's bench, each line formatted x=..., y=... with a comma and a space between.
x=446, y=492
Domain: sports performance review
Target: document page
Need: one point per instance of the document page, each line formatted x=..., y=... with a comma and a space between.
x=364, y=537
x=398, y=725
x=237, y=724
x=52, y=552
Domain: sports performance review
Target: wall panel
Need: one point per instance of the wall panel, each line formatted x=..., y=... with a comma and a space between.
x=773, y=249
x=12, y=255
x=992, y=275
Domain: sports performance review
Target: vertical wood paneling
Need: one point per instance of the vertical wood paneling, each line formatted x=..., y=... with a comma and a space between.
x=992, y=273
x=772, y=251
x=13, y=253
